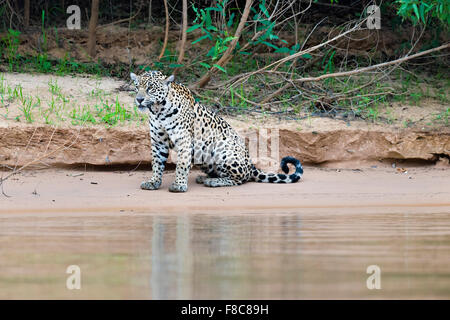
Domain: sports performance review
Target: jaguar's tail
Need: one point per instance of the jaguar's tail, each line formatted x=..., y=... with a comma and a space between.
x=261, y=176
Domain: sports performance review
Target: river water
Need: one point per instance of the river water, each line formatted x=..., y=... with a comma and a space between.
x=282, y=255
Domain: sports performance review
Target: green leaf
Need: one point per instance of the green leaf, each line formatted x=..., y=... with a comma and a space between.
x=175, y=65
x=228, y=39
x=195, y=26
x=283, y=50
x=208, y=20
x=220, y=68
x=211, y=27
x=211, y=52
x=416, y=11
x=201, y=38
x=270, y=45
x=264, y=10
x=422, y=13
x=205, y=65
x=295, y=47
x=223, y=49
x=306, y=56
x=230, y=20
x=273, y=37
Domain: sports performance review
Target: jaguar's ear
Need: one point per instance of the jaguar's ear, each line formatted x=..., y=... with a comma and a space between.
x=134, y=77
x=169, y=79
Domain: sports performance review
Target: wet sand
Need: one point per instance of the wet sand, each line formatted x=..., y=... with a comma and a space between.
x=314, y=239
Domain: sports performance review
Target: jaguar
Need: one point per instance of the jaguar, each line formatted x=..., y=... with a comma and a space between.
x=199, y=136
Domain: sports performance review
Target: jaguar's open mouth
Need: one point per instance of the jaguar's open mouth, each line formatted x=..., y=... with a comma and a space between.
x=142, y=107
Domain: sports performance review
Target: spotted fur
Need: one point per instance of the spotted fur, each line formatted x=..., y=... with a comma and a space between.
x=199, y=136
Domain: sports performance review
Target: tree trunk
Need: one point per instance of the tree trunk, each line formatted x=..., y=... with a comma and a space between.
x=26, y=15
x=92, y=28
x=166, y=35
x=150, y=12
x=183, y=36
x=228, y=54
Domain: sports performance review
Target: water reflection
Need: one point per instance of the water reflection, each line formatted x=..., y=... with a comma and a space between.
x=202, y=256
x=237, y=256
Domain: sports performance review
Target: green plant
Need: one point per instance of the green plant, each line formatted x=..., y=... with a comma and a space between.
x=232, y=96
x=53, y=87
x=63, y=67
x=27, y=108
x=169, y=59
x=81, y=115
x=372, y=114
x=44, y=35
x=11, y=41
x=17, y=92
x=416, y=97
x=443, y=116
x=42, y=63
x=328, y=65
x=243, y=103
x=3, y=84
x=421, y=11
x=218, y=31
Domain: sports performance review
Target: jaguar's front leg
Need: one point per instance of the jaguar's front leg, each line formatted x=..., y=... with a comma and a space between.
x=184, y=163
x=160, y=153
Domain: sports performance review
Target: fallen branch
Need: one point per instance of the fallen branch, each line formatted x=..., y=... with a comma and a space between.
x=352, y=72
x=298, y=54
x=377, y=66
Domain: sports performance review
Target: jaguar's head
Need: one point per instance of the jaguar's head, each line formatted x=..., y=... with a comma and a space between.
x=151, y=88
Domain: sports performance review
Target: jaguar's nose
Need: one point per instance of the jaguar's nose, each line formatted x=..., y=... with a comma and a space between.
x=139, y=100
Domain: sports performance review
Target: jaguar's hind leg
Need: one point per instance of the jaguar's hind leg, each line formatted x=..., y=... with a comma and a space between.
x=210, y=173
x=201, y=179
x=220, y=182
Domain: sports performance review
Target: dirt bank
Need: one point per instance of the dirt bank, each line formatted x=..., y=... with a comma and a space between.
x=20, y=144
